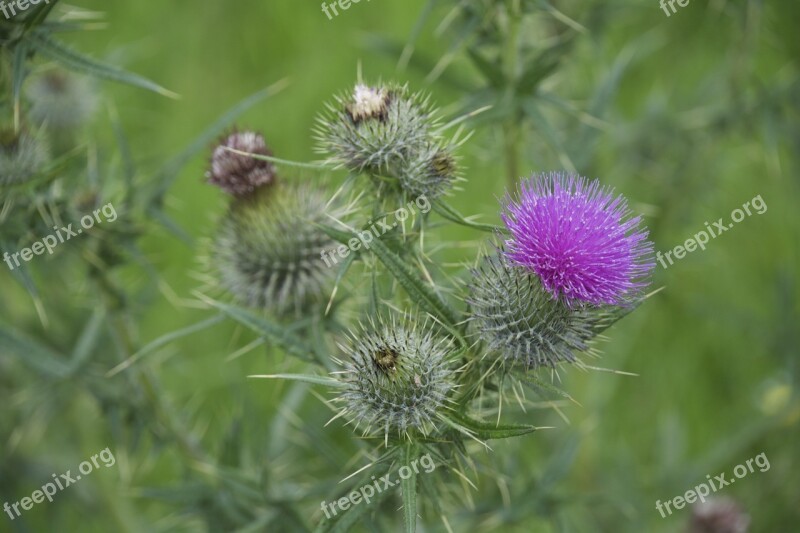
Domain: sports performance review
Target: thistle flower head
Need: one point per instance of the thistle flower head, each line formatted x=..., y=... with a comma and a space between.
x=61, y=100
x=579, y=239
x=399, y=376
x=22, y=156
x=239, y=174
x=517, y=317
x=268, y=248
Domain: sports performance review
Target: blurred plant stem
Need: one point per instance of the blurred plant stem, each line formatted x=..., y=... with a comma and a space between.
x=511, y=128
x=162, y=408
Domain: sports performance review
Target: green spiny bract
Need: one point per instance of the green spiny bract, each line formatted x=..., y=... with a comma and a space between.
x=22, y=157
x=268, y=248
x=399, y=377
x=520, y=320
x=390, y=135
x=429, y=172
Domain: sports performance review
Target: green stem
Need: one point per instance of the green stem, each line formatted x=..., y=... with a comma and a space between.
x=511, y=128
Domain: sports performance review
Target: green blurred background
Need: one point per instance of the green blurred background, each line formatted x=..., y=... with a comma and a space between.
x=697, y=114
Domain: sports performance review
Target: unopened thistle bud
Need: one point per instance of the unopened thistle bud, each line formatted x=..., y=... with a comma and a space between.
x=239, y=174
x=399, y=377
x=390, y=135
x=22, y=157
x=61, y=100
x=269, y=245
x=429, y=172
x=520, y=320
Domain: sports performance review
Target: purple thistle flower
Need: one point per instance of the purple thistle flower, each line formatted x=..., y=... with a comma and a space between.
x=579, y=239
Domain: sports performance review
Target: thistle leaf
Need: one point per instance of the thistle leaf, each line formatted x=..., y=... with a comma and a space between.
x=487, y=430
x=277, y=333
x=61, y=53
x=305, y=378
x=33, y=354
x=417, y=289
x=452, y=215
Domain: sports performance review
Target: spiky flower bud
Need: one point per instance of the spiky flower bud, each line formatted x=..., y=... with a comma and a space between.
x=22, y=156
x=239, y=174
x=399, y=376
x=579, y=239
x=430, y=172
x=389, y=134
x=519, y=319
x=268, y=248
x=721, y=515
x=61, y=100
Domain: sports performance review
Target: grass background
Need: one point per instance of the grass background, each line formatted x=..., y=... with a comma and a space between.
x=703, y=118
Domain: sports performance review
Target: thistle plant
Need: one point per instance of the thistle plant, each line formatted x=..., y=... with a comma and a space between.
x=407, y=346
x=570, y=261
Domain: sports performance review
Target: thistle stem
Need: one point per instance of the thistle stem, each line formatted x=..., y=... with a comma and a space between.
x=511, y=128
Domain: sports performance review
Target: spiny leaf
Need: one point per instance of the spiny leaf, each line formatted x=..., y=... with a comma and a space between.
x=277, y=333
x=306, y=378
x=348, y=519
x=452, y=215
x=417, y=289
x=487, y=430
x=163, y=341
x=61, y=53
x=31, y=353
x=88, y=340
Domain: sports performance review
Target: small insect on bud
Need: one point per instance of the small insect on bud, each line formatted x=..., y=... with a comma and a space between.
x=240, y=174
x=399, y=376
x=268, y=248
x=22, y=157
x=518, y=319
